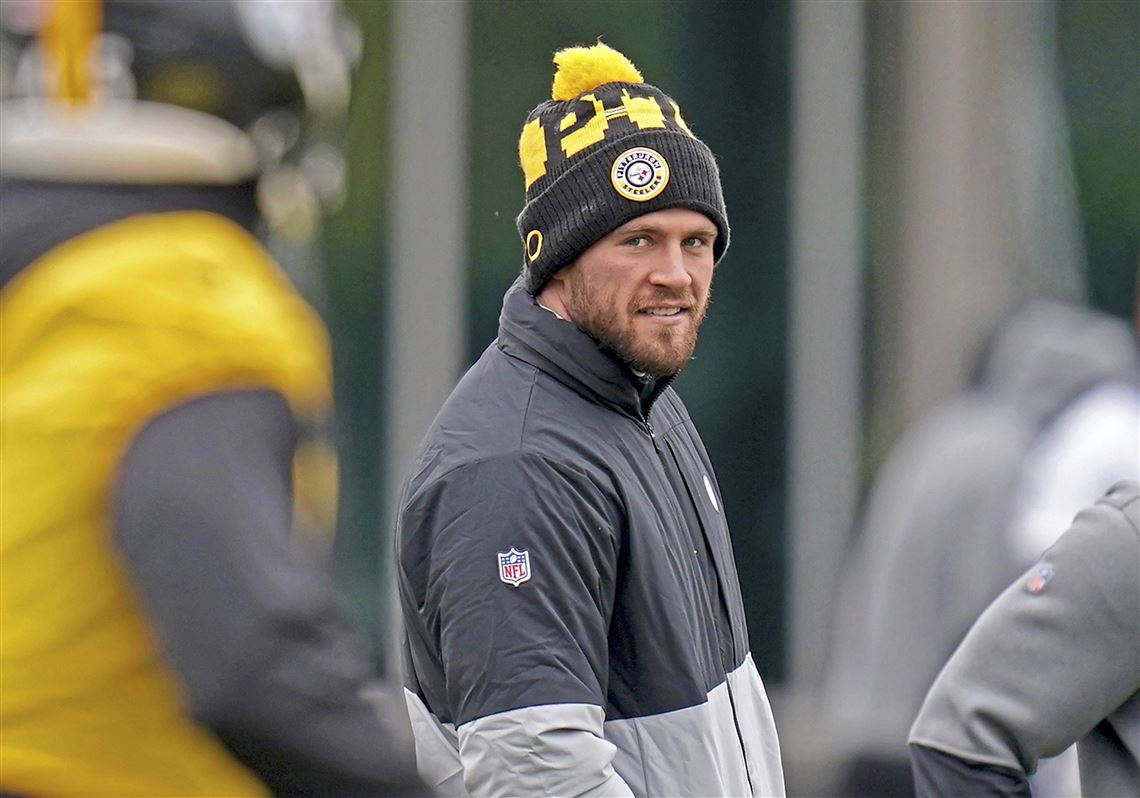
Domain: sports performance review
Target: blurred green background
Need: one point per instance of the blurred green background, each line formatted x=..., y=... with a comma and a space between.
x=729, y=65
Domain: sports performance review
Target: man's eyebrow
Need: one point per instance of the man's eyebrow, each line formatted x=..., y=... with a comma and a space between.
x=643, y=229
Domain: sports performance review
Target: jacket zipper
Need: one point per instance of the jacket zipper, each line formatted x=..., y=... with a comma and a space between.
x=652, y=434
x=739, y=735
x=711, y=602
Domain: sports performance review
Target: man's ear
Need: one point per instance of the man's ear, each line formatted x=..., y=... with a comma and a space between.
x=555, y=294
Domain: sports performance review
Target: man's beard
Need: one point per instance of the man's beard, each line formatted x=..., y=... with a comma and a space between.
x=659, y=352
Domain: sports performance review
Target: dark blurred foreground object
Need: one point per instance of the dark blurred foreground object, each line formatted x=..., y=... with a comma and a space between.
x=163, y=631
x=943, y=531
x=1055, y=660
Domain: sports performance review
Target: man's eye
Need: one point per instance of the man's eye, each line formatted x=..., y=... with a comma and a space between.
x=636, y=241
x=695, y=241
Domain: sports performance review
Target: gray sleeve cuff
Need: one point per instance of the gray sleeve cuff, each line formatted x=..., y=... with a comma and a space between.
x=940, y=775
x=557, y=749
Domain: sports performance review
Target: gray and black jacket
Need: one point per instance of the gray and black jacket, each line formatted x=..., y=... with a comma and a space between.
x=620, y=666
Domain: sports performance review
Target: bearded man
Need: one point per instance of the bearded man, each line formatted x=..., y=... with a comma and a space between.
x=573, y=620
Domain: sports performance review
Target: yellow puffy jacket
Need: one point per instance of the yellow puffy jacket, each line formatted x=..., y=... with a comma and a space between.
x=97, y=337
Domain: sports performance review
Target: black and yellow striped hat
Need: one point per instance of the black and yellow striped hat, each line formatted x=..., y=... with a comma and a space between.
x=605, y=149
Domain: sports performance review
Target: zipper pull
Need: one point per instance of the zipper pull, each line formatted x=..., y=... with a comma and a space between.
x=652, y=434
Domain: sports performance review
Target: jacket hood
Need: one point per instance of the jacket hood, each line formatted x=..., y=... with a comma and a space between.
x=1046, y=353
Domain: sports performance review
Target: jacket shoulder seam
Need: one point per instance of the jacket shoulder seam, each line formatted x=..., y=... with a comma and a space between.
x=558, y=463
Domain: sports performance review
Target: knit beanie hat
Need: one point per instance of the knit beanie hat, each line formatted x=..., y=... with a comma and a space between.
x=605, y=149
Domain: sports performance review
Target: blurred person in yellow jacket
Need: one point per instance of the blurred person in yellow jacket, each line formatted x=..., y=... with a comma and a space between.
x=161, y=633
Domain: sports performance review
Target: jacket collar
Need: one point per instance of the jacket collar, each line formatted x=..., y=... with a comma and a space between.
x=556, y=346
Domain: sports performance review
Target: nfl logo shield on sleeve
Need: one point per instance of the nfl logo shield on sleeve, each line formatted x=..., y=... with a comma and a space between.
x=514, y=566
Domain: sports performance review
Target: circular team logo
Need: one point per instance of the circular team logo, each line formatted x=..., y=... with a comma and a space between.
x=640, y=174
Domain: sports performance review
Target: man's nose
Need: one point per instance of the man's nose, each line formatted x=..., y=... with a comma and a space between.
x=669, y=270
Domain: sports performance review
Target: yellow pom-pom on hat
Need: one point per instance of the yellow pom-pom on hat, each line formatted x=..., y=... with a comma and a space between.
x=582, y=69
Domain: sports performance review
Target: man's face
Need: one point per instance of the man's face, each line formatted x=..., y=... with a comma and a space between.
x=642, y=291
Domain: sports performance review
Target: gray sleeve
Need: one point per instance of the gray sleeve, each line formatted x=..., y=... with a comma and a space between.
x=203, y=518
x=504, y=648
x=1071, y=622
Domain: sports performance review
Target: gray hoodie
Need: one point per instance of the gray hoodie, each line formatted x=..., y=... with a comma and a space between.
x=934, y=545
x=1054, y=660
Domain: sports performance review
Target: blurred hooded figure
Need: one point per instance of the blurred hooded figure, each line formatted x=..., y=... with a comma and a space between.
x=163, y=633
x=956, y=514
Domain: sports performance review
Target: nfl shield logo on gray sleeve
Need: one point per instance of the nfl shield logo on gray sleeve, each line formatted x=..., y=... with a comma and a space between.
x=514, y=566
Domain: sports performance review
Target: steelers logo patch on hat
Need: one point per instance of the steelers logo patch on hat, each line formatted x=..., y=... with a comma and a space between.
x=640, y=174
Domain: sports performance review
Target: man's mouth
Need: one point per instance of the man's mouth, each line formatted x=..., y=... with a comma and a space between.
x=662, y=311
